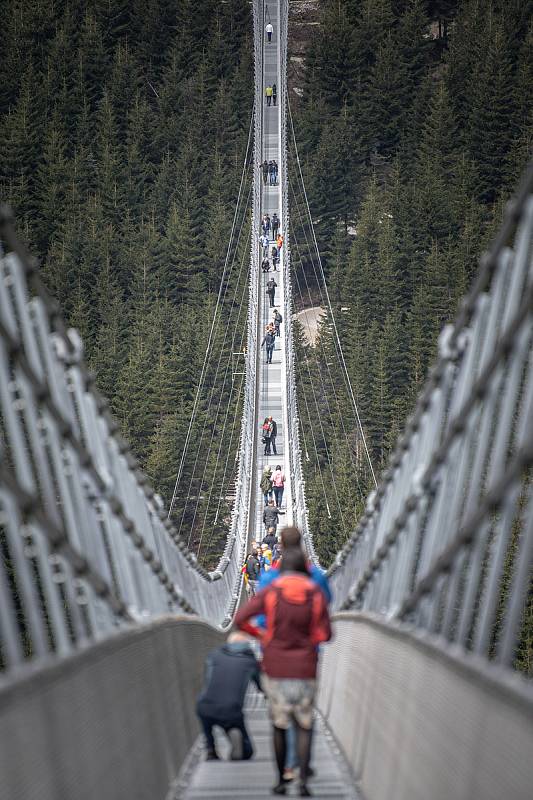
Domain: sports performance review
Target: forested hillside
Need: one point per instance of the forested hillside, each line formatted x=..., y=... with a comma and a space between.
x=123, y=130
x=413, y=126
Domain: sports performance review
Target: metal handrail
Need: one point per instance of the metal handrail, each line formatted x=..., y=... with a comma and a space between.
x=86, y=543
x=300, y=513
x=446, y=540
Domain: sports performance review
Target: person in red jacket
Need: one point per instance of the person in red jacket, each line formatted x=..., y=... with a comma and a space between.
x=297, y=620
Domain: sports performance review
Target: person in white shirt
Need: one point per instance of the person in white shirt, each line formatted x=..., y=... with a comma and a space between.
x=264, y=241
x=269, y=31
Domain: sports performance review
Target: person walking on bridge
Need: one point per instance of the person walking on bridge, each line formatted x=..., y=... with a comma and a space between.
x=229, y=670
x=269, y=31
x=271, y=516
x=272, y=172
x=268, y=94
x=278, y=319
x=273, y=433
x=297, y=620
x=274, y=94
x=269, y=341
x=264, y=167
x=275, y=225
x=266, y=484
x=271, y=291
x=291, y=538
x=251, y=570
x=266, y=429
x=271, y=539
x=278, y=484
x=265, y=265
x=264, y=241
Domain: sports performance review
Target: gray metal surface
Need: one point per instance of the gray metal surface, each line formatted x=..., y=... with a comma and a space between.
x=419, y=723
x=255, y=778
x=446, y=542
x=300, y=515
x=113, y=722
x=272, y=378
x=86, y=548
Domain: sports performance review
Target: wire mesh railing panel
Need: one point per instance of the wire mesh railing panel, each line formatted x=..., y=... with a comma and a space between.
x=395, y=702
x=85, y=547
x=295, y=464
x=115, y=723
x=446, y=542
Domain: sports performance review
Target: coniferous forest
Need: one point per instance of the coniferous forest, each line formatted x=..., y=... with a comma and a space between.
x=413, y=125
x=123, y=132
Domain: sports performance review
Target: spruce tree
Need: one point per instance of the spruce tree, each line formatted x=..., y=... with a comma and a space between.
x=491, y=112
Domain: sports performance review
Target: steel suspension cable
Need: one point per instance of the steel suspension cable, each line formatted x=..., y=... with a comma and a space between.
x=318, y=282
x=210, y=400
x=228, y=449
x=235, y=401
x=319, y=285
x=226, y=462
x=214, y=388
x=215, y=378
x=319, y=259
x=204, y=365
x=319, y=418
x=335, y=433
x=326, y=362
x=315, y=447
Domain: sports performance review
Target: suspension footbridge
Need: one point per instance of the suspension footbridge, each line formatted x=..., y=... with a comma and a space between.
x=106, y=616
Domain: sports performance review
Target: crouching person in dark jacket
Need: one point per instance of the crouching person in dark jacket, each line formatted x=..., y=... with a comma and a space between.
x=229, y=669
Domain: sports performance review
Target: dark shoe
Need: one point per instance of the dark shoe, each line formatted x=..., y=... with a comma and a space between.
x=304, y=791
x=212, y=756
x=235, y=737
x=280, y=788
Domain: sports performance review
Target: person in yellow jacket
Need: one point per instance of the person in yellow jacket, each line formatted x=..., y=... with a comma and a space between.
x=268, y=95
x=265, y=558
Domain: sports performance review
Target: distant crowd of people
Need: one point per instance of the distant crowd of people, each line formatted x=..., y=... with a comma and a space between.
x=270, y=232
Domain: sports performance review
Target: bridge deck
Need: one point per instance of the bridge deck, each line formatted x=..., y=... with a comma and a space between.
x=255, y=778
x=272, y=378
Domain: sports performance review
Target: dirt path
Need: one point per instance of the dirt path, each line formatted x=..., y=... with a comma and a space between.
x=309, y=319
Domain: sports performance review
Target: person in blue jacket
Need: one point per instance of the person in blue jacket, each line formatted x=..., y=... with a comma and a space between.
x=229, y=670
x=291, y=537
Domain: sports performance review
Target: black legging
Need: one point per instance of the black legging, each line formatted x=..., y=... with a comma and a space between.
x=303, y=746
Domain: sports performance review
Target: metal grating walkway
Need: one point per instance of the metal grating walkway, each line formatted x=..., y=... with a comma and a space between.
x=272, y=378
x=255, y=778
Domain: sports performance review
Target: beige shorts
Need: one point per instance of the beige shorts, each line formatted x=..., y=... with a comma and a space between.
x=290, y=698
